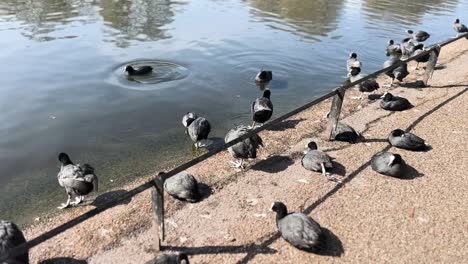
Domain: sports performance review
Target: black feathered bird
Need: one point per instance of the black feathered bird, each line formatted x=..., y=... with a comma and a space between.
x=262, y=108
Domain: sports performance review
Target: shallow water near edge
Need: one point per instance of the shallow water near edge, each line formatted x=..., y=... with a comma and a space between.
x=62, y=87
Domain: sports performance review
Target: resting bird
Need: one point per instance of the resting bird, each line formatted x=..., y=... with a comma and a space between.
x=264, y=76
x=393, y=49
x=398, y=72
x=178, y=258
x=352, y=62
x=394, y=103
x=298, y=229
x=419, y=36
x=183, y=186
x=198, y=128
x=407, y=47
x=11, y=237
x=366, y=86
x=246, y=149
x=262, y=108
x=78, y=180
x=387, y=163
x=406, y=140
x=344, y=132
x=459, y=27
x=143, y=70
x=317, y=160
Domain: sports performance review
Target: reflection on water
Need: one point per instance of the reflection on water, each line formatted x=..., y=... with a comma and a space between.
x=136, y=19
x=307, y=18
x=63, y=89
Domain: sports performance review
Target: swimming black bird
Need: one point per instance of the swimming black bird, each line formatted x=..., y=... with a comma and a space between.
x=183, y=186
x=393, y=49
x=262, y=108
x=459, y=27
x=78, y=180
x=143, y=70
x=366, y=86
x=419, y=36
x=394, y=103
x=246, y=149
x=397, y=72
x=197, y=127
x=298, y=229
x=177, y=258
x=264, y=76
x=317, y=160
x=389, y=164
x=406, y=140
x=11, y=237
x=352, y=62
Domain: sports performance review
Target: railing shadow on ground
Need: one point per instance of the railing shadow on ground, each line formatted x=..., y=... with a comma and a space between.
x=273, y=237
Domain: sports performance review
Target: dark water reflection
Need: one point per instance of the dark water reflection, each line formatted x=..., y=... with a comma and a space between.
x=59, y=90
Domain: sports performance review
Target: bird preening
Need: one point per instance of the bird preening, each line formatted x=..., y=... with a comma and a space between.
x=11, y=237
x=197, y=127
x=78, y=180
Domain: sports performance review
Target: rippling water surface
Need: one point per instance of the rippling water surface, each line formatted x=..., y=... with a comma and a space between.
x=62, y=88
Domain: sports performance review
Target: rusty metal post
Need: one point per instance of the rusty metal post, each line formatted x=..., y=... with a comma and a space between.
x=430, y=66
x=157, y=197
x=335, y=111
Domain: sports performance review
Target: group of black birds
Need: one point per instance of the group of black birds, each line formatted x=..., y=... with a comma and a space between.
x=298, y=229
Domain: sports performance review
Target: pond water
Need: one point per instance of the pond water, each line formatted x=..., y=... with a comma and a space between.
x=62, y=88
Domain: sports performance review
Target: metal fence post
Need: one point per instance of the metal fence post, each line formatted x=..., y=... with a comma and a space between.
x=335, y=111
x=157, y=197
x=430, y=66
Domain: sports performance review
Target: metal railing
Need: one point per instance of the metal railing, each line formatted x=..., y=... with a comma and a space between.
x=156, y=184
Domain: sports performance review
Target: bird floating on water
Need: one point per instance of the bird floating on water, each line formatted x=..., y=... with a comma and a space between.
x=11, y=237
x=177, y=258
x=389, y=164
x=142, y=70
x=264, y=76
x=419, y=36
x=394, y=103
x=197, y=127
x=406, y=140
x=246, y=149
x=183, y=186
x=262, y=108
x=298, y=229
x=78, y=180
x=459, y=27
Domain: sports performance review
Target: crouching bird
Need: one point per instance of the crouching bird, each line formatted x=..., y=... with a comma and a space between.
x=78, y=180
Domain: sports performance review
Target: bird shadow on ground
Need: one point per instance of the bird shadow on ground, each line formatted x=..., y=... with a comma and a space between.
x=63, y=260
x=331, y=245
x=375, y=140
x=418, y=84
x=104, y=198
x=205, y=191
x=338, y=169
x=273, y=164
x=286, y=124
x=213, y=143
x=409, y=173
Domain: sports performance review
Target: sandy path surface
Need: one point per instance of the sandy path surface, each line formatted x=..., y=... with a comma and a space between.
x=368, y=218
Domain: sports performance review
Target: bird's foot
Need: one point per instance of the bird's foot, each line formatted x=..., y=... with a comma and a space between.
x=332, y=178
x=63, y=206
x=77, y=201
x=237, y=164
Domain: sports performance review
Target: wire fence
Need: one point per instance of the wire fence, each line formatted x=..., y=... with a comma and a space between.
x=337, y=93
